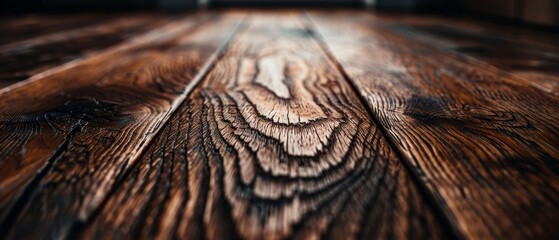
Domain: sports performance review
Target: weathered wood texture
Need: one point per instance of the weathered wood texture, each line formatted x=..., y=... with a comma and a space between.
x=23, y=59
x=29, y=26
x=456, y=139
x=524, y=55
x=273, y=144
x=524, y=34
x=485, y=145
x=68, y=137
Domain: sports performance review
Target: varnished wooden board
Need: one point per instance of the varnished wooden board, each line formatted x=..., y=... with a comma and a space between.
x=526, y=56
x=524, y=34
x=19, y=28
x=68, y=137
x=23, y=59
x=484, y=145
x=531, y=63
x=273, y=144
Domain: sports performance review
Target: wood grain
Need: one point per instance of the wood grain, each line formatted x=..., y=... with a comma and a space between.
x=531, y=63
x=65, y=148
x=525, y=55
x=274, y=144
x=28, y=26
x=23, y=59
x=486, y=146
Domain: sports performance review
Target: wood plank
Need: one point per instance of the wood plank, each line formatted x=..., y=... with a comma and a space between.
x=525, y=34
x=23, y=59
x=485, y=145
x=20, y=28
x=69, y=136
x=526, y=56
x=273, y=144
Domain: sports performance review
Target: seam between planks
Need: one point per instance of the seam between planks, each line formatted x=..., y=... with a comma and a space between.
x=441, y=211
x=127, y=44
x=15, y=207
x=208, y=67
x=5, y=223
x=58, y=34
x=133, y=26
x=477, y=63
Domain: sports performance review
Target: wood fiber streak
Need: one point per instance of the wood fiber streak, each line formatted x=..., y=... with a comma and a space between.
x=21, y=60
x=527, y=57
x=525, y=35
x=485, y=146
x=149, y=200
x=272, y=145
x=29, y=26
x=64, y=149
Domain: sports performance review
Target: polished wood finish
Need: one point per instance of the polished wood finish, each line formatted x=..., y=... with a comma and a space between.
x=66, y=148
x=269, y=124
x=24, y=59
x=482, y=143
x=524, y=58
x=524, y=54
x=273, y=144
x=29, y=26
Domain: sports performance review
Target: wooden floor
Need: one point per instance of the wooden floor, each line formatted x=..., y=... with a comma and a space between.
x=232, y=124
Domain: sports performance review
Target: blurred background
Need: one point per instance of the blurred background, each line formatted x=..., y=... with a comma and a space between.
x=534, y=12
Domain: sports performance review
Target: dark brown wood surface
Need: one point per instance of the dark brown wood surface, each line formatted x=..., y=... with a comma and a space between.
x=273, y=144
x=23, y=59
x=267, y=124
x=529, y=56
x=65, y=149
x=483, y=144
x=29, y=26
